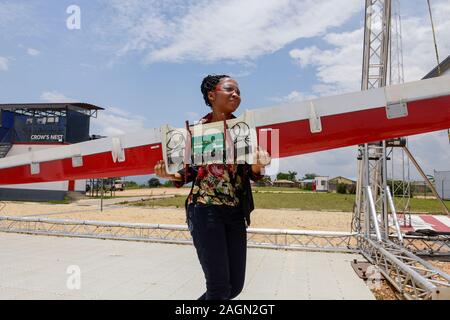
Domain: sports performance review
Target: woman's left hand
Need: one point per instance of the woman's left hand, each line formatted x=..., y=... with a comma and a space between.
x=262, y=159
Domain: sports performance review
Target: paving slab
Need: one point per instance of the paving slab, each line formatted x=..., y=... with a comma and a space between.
x=48, y=267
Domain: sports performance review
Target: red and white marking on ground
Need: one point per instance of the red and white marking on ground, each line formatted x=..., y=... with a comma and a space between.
x=437, y=223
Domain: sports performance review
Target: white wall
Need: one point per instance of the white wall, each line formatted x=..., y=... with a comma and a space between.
x=321, y=183
x=442, y=184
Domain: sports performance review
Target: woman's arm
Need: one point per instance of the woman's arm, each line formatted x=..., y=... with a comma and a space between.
x=160, y=171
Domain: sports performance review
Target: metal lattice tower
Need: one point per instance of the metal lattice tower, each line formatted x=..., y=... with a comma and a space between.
x=372, y=166
x=413, y=277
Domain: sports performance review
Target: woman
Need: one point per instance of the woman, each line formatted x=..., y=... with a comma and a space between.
x=220, y=202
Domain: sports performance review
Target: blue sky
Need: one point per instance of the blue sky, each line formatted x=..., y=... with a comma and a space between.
x=144, y=60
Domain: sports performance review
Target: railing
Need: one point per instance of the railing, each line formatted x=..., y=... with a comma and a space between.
x=258, y=238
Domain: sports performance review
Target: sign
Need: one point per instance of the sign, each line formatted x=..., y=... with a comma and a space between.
x=47, y=137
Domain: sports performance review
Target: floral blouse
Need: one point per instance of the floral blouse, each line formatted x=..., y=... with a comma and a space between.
x=217, y=184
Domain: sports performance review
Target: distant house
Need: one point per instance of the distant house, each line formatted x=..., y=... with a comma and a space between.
x=319, y=183
x=285, y=183
x=333, y=183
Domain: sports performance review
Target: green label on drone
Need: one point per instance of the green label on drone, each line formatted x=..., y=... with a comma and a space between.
x=208, y=144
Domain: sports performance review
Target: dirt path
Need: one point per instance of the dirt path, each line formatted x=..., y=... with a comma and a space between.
x=261, y=218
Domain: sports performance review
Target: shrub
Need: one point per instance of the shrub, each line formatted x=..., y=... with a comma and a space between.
x=341, y=188
x=154, y=183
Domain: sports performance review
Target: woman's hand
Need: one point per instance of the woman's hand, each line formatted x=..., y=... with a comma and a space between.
x=262, y=159
x=160, y=171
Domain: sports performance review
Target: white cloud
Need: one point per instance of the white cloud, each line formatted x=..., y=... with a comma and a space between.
x=294, y=96
x=55, y=97
x=33, y=52
x=418, y=47
x=339, y=68
x=4, y=64
x=209, y=31
x=115, y=121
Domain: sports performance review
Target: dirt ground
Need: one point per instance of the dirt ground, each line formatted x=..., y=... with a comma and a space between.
x=261, y=218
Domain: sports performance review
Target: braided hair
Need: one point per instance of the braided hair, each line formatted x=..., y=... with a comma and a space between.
x=209, y=83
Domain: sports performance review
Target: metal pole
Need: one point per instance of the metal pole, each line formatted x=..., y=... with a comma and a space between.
x=101, y=197
x=425, y=178
x=373, y=213
x=394, y=214
x=366, y=185
x=383, y=190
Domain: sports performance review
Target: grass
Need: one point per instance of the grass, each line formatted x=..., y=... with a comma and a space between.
x=279, y=190
x=177, y=201
x=107, y=197
x=304, y=201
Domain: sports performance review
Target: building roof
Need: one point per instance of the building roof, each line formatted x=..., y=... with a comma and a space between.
x=341, y=177
x=283, y=181
x=444, y=65
x=46, y=106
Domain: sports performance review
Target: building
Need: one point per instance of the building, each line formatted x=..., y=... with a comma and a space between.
x=30, y=127
x=442, y=184
x=333, y=183
x=319, y=184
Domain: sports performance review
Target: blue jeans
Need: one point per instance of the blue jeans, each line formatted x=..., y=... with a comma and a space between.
x=220, y=239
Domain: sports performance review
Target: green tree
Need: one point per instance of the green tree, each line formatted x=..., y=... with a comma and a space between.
x=309, y=176
x=290, y=175
x=282, y=176
x=154, y=183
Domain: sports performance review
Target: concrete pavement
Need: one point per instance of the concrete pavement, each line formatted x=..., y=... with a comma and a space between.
x=45, y=267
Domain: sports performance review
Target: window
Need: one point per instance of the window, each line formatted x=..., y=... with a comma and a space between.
x=41, y=120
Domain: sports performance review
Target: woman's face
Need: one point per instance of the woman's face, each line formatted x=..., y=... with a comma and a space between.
x=226, y=97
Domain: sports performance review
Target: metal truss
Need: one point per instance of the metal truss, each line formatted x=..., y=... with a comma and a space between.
x=376, y=43
x=412, y=276
x=303, y=240
x=97, y=229
x=435, y=246
x=179, y=234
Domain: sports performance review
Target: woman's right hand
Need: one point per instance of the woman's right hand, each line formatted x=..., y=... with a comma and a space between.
x=160, y=171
